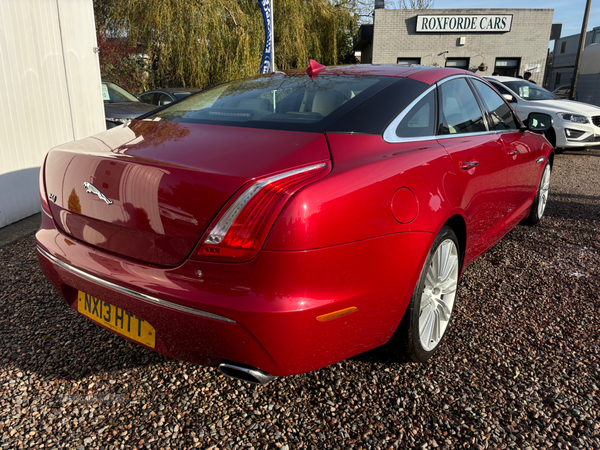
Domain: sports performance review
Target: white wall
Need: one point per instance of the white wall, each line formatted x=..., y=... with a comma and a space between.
x=50, y=92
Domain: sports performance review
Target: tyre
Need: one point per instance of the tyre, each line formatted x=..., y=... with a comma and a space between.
x=541, y=197
x=427, y=318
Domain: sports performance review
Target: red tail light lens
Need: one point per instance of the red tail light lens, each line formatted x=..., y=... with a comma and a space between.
x=241, y=230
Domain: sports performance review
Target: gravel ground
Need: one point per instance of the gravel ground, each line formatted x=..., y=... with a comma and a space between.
x=520, y=368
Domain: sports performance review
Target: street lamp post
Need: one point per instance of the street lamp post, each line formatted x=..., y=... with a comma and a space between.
x=580, y=49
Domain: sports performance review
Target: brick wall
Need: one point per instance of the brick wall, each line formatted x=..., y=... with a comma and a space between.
x=395, y=37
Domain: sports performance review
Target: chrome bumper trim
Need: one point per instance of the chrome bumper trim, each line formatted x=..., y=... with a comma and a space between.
x=138, y=295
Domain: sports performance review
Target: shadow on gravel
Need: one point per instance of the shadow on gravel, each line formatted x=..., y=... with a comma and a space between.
x=55, y=342
x=582, y=152
x=379, y=355
x=40, y=333
x=569, y=208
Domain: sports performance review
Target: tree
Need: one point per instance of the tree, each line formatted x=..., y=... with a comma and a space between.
x=417, y=4
x=121, y=62
x=201, y=43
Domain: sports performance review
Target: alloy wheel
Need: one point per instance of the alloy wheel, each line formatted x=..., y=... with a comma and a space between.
x=437, y=299
x=544, y=189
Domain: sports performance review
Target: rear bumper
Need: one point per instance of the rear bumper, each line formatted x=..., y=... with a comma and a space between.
x=261, y=313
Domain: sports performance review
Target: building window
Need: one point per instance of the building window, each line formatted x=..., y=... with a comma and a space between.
x=563, y=46
x=408, y=61
x=458, y=63
x=507, y=67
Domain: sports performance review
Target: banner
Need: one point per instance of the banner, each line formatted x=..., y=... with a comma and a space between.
x=266, y=64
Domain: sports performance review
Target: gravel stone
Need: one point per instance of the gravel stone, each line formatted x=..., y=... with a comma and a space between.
x=520, y=368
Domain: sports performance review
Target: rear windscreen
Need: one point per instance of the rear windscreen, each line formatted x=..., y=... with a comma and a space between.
x=289, y=102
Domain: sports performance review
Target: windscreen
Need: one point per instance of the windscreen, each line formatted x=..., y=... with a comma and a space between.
x=530, y=91
x=290, y=102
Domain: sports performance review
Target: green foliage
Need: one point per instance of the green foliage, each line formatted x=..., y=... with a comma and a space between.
x=201, y=43
x=121, y=63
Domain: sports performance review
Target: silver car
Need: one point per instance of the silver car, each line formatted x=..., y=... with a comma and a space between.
x=574, y=124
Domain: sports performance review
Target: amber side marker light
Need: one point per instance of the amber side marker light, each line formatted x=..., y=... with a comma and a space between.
x=336, y=314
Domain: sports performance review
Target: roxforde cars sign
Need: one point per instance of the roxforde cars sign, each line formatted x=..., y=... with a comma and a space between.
x=464, y=23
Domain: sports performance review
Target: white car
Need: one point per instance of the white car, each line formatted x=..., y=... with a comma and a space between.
x=574, y=124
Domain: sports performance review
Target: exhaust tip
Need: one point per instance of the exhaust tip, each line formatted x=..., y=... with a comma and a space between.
x=248, y=374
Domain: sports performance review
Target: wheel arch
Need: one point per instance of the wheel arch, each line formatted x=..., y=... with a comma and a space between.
x=551, y=160
x=459, y=226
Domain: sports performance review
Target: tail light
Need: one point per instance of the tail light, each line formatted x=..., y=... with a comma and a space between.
x=43, y=195
x=240, y=231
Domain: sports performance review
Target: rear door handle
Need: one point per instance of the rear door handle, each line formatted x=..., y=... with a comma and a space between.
x=514, y=152
x=469, y=165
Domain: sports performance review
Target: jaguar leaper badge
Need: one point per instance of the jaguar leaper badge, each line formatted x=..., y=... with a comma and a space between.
x=91, y=189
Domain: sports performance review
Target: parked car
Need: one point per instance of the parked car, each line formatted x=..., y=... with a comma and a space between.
x=121, y=106
x=563, y=91
x=575, y=125
x=281, y=223
x=166, y=96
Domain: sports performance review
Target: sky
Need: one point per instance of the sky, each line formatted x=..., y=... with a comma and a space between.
x=568, y=12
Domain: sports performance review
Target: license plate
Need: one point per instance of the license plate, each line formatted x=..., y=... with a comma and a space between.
x=116, y=319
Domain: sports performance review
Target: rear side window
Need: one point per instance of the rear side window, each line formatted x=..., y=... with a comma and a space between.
x=420, y=120
x=459, y=110
x=163, y=99
x=147, y=98
x=500, y=113
x=294, y=102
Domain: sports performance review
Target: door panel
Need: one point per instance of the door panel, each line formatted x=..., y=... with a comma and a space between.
x=521, y=153
x=522, y=178
x=483, y=185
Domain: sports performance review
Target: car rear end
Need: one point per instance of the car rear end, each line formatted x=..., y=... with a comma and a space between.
x=160, y=231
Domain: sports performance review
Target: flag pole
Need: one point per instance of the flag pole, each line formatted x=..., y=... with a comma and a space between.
x=272, y=38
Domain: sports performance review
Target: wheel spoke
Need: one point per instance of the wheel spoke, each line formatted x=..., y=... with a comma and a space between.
x=430, y=280
x=444, y=311
x=426, y=302
x=426, y=323
x=450, y=263
x=448, y=286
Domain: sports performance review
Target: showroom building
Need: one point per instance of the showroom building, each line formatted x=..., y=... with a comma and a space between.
x=507, y=41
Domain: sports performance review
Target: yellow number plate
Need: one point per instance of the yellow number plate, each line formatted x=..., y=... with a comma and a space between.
x=117, y=319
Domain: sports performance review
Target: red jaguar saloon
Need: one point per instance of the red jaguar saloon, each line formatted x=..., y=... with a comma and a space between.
x=278, y=224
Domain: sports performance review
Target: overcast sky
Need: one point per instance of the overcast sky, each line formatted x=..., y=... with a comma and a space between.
x=567, y=12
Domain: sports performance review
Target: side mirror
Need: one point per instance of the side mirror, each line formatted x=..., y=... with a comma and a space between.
x=509, y=98
x=539, y=122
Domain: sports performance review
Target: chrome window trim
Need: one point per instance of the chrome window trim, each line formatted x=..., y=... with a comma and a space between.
x=390, y=136
x=138, y=295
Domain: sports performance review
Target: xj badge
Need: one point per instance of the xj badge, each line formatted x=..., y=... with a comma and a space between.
x=91, y=189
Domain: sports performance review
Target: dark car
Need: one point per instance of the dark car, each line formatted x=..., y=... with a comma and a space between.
x=563, y=91
x=281, y=223
x=162, y=97
x=121, y=106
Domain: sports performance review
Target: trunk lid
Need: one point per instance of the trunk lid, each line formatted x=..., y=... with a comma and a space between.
x=152, y=189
